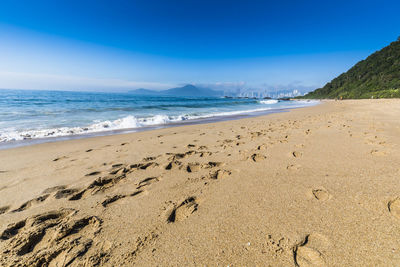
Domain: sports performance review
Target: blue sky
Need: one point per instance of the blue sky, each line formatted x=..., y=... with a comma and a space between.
x=119, y=45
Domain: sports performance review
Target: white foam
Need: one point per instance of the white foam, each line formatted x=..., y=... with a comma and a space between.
x=269, y=101
x=128, y=122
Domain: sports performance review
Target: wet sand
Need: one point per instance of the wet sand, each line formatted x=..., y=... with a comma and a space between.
x=317, y=186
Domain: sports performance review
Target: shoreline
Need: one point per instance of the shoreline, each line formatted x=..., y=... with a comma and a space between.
x=214, y=119
x=316, y=185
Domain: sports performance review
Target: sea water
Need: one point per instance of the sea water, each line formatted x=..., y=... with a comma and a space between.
x=45, y=115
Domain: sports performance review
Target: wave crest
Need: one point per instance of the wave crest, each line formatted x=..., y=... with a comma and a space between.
x=269, y=101
x=131, y=122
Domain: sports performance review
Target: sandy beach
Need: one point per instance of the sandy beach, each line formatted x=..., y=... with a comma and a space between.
x=316, y=186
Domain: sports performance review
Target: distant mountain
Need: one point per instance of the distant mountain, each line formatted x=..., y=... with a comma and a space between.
x=187, y=90
x=377, y=76
x=191, y=90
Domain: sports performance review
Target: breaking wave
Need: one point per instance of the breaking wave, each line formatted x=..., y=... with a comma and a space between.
x=269, y=101
x=125, y=123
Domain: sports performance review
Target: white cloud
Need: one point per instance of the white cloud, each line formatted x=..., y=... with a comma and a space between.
x=231, y=87
x=242, y=87
x=16, y=80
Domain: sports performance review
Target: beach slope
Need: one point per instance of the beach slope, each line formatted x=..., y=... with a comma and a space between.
x=317, y=186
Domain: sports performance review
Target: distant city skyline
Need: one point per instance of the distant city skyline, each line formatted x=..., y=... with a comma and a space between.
x=226, y=45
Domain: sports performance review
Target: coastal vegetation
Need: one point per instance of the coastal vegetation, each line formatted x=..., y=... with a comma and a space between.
x=378, y=76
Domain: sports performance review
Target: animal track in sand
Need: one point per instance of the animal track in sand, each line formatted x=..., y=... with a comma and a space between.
x=31, y=203
x=306, y=255
x=394, y=207
x=277, y=246
x=55, y=238
x=184, y=210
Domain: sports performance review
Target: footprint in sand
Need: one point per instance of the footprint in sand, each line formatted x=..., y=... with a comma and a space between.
x=320, y=194
x=205, y=154
x=93, y=173
x=114, y=198
x=64, y=193
x=176, y=156
x=184, y=210
x=308, y=252
x=119, y=170
x=262, y=147
x=147, y=181
x=60, y=158
x=193, y=167
x=31, y=203
x=394, y=207
x=212, y=164
x=257, y=157
x=99, y=185
x=53, y=189
x=293, y=167
x=146, y=159
x=61, y=191
x=143, y=166
x=220, y=174
x=4, y=209
x=376, y=152
x=55, y=238
x=173, y=165
x=297, y=154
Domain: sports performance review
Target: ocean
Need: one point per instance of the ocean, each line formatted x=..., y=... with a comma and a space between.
x=32, y=116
